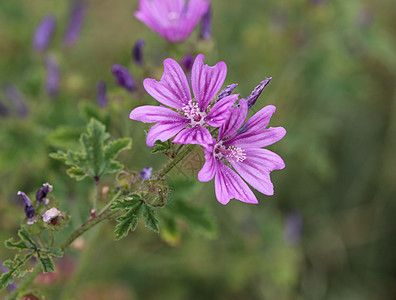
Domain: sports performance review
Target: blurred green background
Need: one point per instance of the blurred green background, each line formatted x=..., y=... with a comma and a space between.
x=329, y=232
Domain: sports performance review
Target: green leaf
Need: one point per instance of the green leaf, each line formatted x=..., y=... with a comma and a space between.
x=10, y=244
x=96, y=158
x=161, y=147
x=14, y=269
x=150, y=218
x=54, y=251
x=25, y=236
x=46, y=262
x=129, y=220
x=126, y=203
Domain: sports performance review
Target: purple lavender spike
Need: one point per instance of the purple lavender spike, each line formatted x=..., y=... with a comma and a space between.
x=41, y=195
x=206, y=24
x=137, y=52
x=17, y=99
x=146, y=173
x=76, y=19
x=293, y=228
x=123, y=77
x=187, y=62
x=252, y=98
x=227, y=91
x=29, y=209
x=101, y=93
x=4, y=111
x=53, y=77
x=43, y=34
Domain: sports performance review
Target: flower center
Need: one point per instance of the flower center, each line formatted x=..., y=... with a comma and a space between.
x=231, y=153
x=191, y=111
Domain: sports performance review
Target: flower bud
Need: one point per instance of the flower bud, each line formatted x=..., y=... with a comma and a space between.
x=206, y=24
x=101, y=93
x=52, y=81
x=146, y=173
x=29, y=209
x=252, y=98
x=41, y=195
x=17, y=99
x=51, y=216
x=43, y=34
x=123, y=77
x=227, y=91
x=137, y=52
x=187, y=62
x=76, y=19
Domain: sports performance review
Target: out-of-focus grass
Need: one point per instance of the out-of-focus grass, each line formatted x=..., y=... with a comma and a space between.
x=333, y=68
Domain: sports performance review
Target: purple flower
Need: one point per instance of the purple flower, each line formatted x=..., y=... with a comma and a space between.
x=29, y=209
x=76, y=19
x=206, y=24
x=242, y=149
x=17, y=99
x=52, y=80
x=137, y=52
x=293, y=227
x=192, y=115
x=174, y=20
x=41, y=195
x=123, y=77
x=146, y=173
x=101, y=93
x=43, y=34
x=252, y=98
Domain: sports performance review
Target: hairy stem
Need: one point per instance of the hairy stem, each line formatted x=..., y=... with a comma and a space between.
x=172, y=163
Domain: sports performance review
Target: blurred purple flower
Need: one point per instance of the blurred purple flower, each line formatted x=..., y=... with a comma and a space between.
x=17, y=99
x=146, y=173
x=43, y=34
x=29, y=209
x=174, y=20
x=4, y=111
x=293, y=228
x=123, y=77
x=227, y=91
x=317, y=2
x=252, y=98
x=187, y=62
x=243, y=151
x=192, y=115
x=206, y=24
x=138, y=52
x=76, y=19
x=53, y=78
x=41, y=195
x=101, y=93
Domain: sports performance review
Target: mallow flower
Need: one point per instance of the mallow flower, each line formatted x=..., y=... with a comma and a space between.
x=174, y=20
x=239, y=146
x=188, y=117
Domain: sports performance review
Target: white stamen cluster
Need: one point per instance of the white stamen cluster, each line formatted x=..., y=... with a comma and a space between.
x=191, y=111
x=236, y=153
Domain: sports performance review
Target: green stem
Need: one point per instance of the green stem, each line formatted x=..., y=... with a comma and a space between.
x=110, y=202
x=173, y=162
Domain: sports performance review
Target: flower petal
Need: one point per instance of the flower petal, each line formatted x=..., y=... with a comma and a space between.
x=152, y=114
x=234, y=122
x=256, y=168
x=163, y=131
x=207, y=81
x=229, y=185
x=254, y=139
x=220, y=112
x=195, y=135
x=209, y=168
x=173, y=89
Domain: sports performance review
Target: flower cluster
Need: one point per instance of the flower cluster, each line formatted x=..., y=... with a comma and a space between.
x=231, y=145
